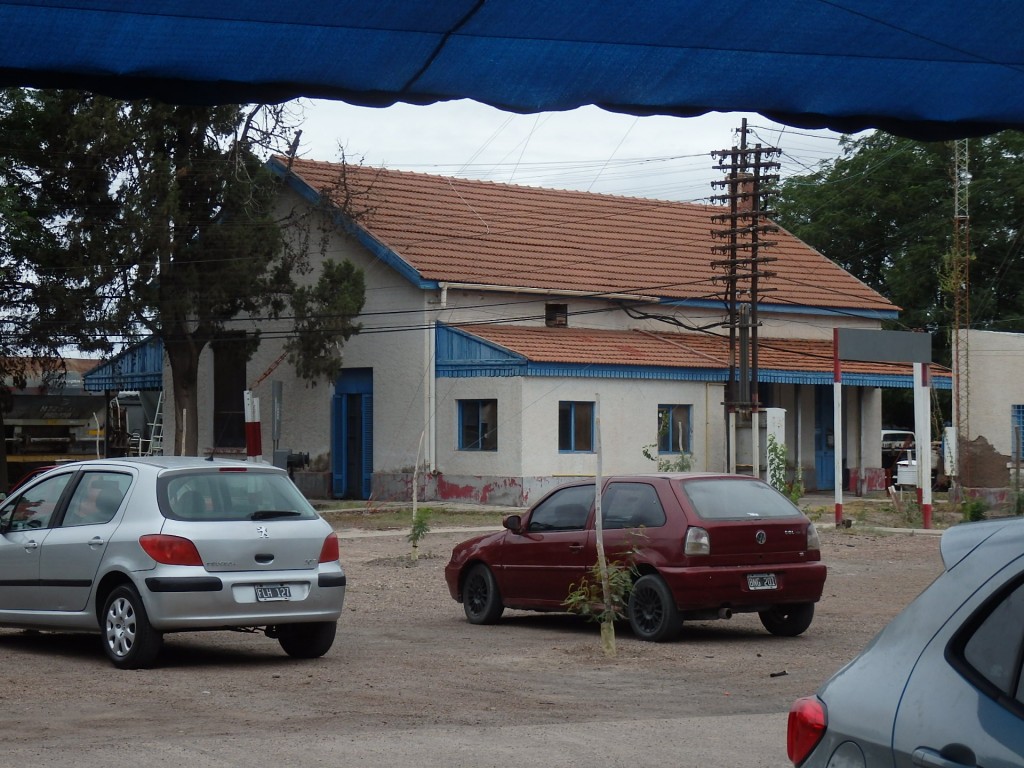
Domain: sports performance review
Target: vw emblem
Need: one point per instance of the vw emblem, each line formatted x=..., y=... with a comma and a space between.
x=263, y=533
x=760, y=537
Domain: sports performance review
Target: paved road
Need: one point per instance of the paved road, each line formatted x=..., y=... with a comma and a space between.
x=731, y=741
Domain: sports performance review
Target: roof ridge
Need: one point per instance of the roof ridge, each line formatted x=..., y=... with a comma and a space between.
x=490, y=182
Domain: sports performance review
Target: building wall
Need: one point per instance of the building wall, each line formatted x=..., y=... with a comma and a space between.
x=995, y=384
x=415, y=414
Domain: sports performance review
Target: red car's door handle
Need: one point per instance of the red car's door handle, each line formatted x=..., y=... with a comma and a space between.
x=575, y=547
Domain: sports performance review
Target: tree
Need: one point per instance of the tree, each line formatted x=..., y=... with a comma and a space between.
x=170, y=212
x=45, y=296
x=884, y=211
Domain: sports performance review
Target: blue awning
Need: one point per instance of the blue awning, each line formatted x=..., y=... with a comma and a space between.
x=936, y=69
x=139, y=367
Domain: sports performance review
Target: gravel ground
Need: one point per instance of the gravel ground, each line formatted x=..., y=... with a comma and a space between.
x=406, y=660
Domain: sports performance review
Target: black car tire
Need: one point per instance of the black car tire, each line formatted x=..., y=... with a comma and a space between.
x=788, y=620
x=481, y=599
x=653, y=614
x=307, y=641
x=129, y=640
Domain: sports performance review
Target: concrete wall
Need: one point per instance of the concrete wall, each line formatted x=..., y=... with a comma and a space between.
x=995, y=383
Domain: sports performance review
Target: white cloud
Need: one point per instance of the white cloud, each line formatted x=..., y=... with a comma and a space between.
x=586, y=148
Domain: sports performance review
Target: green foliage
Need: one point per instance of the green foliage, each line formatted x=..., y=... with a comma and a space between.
x=323, y=319
x=420, y=526
x=883, y=211
x=681, y=462
x=586, y=597
x=1018, y=504
x=974, y=509
x=163, y=220
x=778, y=470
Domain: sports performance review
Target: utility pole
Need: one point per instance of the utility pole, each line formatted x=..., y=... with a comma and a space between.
x=959, y=283
x=747, y=172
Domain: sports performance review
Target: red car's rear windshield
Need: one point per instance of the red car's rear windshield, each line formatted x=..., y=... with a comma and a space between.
x=727, y=498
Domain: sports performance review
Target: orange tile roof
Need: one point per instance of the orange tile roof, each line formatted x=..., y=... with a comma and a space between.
x=586, y=346
x=466, y=231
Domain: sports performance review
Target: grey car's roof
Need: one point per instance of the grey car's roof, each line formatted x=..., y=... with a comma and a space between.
x=176, y=462
x=961, y=540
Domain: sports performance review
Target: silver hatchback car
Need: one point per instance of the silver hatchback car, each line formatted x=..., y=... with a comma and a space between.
x=135, y=548
x=942, y=686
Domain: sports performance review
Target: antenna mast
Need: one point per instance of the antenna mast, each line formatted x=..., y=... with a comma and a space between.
x=960, y=284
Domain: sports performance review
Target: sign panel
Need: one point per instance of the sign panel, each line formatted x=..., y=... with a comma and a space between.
x=884, y=346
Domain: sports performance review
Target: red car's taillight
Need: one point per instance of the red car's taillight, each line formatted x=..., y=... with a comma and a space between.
x=170, y=550
x=329, y=553
x=807, y=723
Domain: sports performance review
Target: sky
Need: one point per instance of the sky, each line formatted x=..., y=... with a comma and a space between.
x=586, y=149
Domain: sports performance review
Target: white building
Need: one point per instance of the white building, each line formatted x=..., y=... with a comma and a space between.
x=497, y=317
x=994, y=414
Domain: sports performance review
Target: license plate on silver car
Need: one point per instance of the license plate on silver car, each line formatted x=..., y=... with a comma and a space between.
x=757, y=581
x=269, y=592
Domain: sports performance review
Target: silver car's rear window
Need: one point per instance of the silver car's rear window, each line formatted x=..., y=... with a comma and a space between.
x=230, y=494
x=720, y=498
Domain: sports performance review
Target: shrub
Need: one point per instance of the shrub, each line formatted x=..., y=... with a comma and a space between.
x=974, y=509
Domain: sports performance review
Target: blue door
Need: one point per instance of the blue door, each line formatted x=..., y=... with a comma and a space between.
x=352, y=434
x=824, y=439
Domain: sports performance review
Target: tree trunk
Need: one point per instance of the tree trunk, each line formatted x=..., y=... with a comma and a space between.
x=4, y=472
x=183, y=357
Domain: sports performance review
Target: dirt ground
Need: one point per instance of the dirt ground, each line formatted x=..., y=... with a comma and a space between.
x=405, y=658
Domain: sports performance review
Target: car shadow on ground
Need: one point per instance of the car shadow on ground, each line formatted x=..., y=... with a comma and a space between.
x=184, y=650
x=738, y=630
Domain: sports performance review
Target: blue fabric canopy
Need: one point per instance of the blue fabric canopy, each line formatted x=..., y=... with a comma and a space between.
x=935, y=69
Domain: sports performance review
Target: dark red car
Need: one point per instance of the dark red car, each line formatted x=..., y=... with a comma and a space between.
x=704, y=546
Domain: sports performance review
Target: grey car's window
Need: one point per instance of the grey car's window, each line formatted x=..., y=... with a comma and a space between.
x=994, y=649
x=35, y=507
x=631, y=505
x=718, y=498
x=233, y=495
x=96, y=498
x=565, y=510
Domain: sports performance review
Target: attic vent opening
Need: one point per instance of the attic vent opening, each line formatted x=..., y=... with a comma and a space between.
x=556, y=315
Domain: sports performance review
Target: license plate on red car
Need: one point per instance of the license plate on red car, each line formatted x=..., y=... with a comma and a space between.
x=758, y=581
x=270, y=592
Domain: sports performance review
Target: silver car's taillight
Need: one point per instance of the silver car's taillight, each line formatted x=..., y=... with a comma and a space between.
x=813, y=542
x=697, y=542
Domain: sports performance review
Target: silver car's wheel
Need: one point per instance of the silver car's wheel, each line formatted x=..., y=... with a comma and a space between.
x=307, y=641
x=128, y=638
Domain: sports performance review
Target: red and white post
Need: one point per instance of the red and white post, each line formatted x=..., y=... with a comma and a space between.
x=253, y=433
x=837, y=424
x=923, y=440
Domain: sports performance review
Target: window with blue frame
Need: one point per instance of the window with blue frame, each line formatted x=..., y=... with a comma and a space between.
x=1017, y=428
x=478, y=425
x=674, y=428
x=575, y=426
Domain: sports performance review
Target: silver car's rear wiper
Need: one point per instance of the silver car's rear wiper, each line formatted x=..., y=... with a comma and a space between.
x=269, y=514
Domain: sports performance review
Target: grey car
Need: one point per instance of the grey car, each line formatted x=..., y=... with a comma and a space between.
x=136, y=548
x=942, y=685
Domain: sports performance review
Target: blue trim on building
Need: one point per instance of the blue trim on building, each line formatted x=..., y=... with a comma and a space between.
x=140, y=367
x=461, y=355
x=368, y=241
